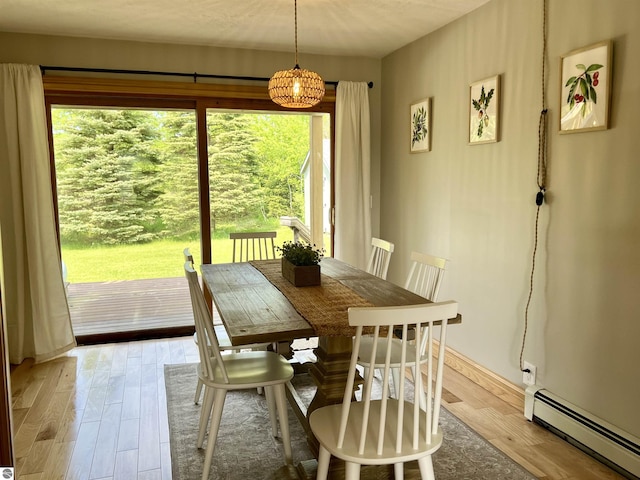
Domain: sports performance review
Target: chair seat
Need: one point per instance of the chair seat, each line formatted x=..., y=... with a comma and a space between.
x=325, y=428
x=250, y=370
x=366, y=345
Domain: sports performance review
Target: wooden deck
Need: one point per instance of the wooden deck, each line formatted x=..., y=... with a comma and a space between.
x=129, y=306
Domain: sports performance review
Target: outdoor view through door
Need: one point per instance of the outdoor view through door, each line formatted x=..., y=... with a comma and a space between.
x=129, y=201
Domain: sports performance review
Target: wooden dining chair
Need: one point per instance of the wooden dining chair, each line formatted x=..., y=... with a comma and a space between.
x=380, y=257
x=249, y=246
x=387, y=430
x=424, y=279
x=224, y=343
x=234, y=371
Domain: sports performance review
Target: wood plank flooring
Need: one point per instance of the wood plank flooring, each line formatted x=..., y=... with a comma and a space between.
x=99, y=413
x=545, y=455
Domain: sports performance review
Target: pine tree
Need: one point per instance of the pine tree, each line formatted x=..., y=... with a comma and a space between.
x=235, y=192
x=106, y=175
x=178, y=204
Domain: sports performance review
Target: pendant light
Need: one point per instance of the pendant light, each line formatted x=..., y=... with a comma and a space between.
x=296, y=88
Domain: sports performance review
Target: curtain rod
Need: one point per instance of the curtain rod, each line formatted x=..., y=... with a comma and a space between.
x=194, y=75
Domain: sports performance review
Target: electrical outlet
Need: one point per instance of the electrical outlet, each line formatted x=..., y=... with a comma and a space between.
x=529, y=378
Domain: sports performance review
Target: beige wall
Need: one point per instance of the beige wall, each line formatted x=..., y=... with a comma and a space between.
x=475, y=204
x=96, y=53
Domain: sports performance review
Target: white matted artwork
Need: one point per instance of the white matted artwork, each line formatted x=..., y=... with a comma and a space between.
x=484, y=101
x=421, y=126
x=585, y=88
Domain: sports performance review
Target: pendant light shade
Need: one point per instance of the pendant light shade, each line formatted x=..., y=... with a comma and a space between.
x=296, y=88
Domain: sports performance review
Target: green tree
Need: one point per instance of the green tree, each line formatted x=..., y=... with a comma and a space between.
x=235, y=191
x=281, y=150
x=106, y=170
x=127, y=176
x=178, y=204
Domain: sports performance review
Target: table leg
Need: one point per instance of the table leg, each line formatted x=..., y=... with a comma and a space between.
x=330, y=371
x=284, y=349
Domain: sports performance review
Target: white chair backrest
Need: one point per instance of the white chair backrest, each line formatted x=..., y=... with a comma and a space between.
x=425, y=275
x=380, y=257
x=204, y=328
x=253, y=246
x=187, y=255
x=411, y=425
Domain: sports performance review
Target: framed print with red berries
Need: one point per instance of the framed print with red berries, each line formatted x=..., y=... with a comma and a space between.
x=484, y=118
x=420, y=126
x=585, y=88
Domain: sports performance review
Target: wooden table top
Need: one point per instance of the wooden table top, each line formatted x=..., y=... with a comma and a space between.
x=253, y=310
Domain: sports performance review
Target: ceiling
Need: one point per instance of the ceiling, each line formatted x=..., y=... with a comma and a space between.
x=370, y=28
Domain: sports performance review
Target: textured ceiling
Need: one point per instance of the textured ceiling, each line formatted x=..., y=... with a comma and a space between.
x=371, y=28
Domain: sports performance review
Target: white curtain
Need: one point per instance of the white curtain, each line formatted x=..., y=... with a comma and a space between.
x=34, y=297
x=353, y=174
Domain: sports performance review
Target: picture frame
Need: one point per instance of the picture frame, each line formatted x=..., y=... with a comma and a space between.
x=484, y=111
x=585, y=88
x=420, y=126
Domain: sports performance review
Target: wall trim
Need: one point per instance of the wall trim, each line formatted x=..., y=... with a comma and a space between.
x=492, y=382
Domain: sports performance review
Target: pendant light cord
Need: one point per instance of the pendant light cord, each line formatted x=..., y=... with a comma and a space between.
x=541, y=177
x=295, y=23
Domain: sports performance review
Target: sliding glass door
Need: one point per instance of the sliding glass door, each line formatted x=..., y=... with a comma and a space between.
x=127, y=206
x=138, y=181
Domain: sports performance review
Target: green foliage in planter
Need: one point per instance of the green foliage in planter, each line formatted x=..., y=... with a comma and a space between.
x=300, y=253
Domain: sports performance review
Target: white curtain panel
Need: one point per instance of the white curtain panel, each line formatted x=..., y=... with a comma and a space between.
x=353, y=174
x=33, y=293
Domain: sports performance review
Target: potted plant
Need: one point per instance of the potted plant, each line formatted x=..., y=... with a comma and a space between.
x=300, y=263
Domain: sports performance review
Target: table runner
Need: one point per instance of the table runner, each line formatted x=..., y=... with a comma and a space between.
x=324, y=306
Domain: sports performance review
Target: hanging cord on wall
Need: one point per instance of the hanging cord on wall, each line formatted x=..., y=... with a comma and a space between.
x=541, y=175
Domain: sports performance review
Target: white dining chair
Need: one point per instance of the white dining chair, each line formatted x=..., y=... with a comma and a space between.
x=224, y=343
x=380, y=257
x=188, y=256
x=234, y=371
x=387, y=431
x=249, y=246
x=424, y=279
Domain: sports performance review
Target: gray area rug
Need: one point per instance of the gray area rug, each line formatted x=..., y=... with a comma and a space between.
x=246, y=450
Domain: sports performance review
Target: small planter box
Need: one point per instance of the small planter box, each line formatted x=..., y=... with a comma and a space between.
x=306, y=276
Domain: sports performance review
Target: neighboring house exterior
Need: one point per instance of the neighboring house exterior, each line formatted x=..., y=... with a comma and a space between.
x=305, y=172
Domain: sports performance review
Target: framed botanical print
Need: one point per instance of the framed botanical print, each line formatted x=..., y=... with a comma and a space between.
x=585, y=88
x=484, y=119
x=421, y=126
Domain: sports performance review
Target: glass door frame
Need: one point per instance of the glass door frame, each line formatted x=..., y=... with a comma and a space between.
x=110, y=92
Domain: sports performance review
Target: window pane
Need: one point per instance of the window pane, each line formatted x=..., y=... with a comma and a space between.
x=127, y=189
x=258, y=163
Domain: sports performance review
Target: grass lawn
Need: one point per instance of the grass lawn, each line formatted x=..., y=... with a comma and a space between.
x=158, y=259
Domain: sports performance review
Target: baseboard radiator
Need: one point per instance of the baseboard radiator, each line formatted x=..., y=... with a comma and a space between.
x=612, y=446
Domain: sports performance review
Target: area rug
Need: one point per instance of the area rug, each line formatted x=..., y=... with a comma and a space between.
x=246, y=449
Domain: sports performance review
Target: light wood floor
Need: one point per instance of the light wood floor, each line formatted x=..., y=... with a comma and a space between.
x=100, y=413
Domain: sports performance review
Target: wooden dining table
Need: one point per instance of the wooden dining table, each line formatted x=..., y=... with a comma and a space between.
x=256, y=304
